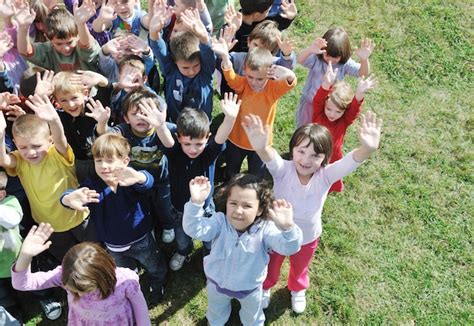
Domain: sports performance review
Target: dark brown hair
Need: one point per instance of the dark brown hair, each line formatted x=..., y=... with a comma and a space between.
x=87, y=267
x=318, y=135
x=60, y=24
x=338, y=44
x=185, y=46
x=133, y=98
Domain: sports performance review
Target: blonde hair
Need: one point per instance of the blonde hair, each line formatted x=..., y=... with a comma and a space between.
x=62, y=84
x=267, y=33
x=3, y=180
x=185, y=46
x=341, y=95
x=258, y=59
x=111, y=145
x=29, y=125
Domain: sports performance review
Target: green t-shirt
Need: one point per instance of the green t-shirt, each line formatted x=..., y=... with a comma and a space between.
x=10, y=239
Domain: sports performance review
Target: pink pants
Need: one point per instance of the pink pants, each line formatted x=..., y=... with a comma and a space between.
x=299, y=264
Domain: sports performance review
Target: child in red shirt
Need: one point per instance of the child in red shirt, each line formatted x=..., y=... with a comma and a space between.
x=336, y=108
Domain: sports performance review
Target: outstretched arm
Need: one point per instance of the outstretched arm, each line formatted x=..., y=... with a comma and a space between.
x=35, y=243
x=106, y=16
x=99, y=114
x=79, y=198
x=82, y=15
x=192, y=22
x=314, y=48
x=45, y=111
x=364, y=85
x=364, y=52
x=230, y=106
x=157, y=118
x=369, y=136
x=258, y=137
x=24, y=17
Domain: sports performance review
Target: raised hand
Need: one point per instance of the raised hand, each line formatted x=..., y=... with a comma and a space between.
x=42, y=107
x=44, y=83
x=329, y=77
x=129, y=78
x=255, y=131
x=128, y=177
x=150, y=113
x=365, y=49
x=199, y=188
x=192, y=22
x=107, y=12
x=6, y=44
x=83, y=13
x=231, y=105
x=7, y=99
x=37, y=240
x=286, y=46
x=113, y=46
x=136, y=44
x=98, y=112
x=277, y=72
x=6, y=9
x=364, y=85
x=233, y=18
x=317, y=45
x=369, y=131
x=219, y=46
x=13, y=112
x=24, y=16
x=282, y=214
x=78, y=199
x=288, y=9
x=161, y=13
x=228, y=33
x=89, y=79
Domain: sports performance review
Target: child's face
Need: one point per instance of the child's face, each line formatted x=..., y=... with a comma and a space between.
x=257, y=79
x=107, y=167
x=124, y=8
x=332, y=112
x=131, y=75
x=3, y=185
x=242, y=207
x=33, y=149
x=192, y=147
x=333, y=60
x=65, y=46
x=306, y=160
x=138, y=125
x=72, y=103
x=189, y=68
x=179, y=7
x=255, y=43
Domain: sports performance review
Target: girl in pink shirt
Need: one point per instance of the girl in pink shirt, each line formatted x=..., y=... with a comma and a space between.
x=304, y=182
x=98, y=292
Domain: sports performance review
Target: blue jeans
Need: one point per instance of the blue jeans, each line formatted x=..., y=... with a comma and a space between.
x=234, y=156
x=147, y=254
x=184, y=243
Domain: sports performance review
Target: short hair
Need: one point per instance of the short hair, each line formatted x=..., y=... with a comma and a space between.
x=193, y=123
x=189, y=3
x=255, y=6
x=110, y=145
x=247, y=181
x=258, y=59
x=40, y=9
x=338, y=44
x=135, y=96
x=133, y=60
x=62, y=84
x=318, y=135
x=60, y=24
x=87, y=267
x=3, y=180
x=29, y=125
x=341, y=95
x=268, y=33
x=185, y=46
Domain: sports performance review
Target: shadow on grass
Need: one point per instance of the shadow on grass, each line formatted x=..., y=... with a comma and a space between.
x=279, y=302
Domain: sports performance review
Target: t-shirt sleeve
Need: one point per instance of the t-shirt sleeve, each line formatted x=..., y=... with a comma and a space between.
x=352, y=68
x=89, y=55
x=276, y=167
x=236, y=82
x=310, y=61
x=42, y=55
x=341, y=168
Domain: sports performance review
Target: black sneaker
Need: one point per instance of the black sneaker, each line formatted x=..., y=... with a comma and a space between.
x=156, y=294
x=51, y=308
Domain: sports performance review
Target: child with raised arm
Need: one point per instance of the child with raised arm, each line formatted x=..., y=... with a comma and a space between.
x=98, y=292
x=306, y=179
x=242, y=236
x=333, y=47
x=70, y=46
x=44, y=163
x=115, y=199
x=336, y=108
x=260, y=89
x=187, y=66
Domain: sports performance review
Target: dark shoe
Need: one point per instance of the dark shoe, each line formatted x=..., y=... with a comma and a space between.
x=156, y=294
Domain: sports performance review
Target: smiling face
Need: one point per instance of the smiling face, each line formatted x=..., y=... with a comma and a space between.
x=34, y=148
x=192, y=147
x=332, y=111
x=137, y=124
x=124, y=8
x=306, y=160
x=72, y=103
x=257, y=79
x=107, y=167
x=242, y=207
x=65, y=46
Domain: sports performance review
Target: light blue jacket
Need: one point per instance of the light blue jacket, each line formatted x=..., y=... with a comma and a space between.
x=238, y=263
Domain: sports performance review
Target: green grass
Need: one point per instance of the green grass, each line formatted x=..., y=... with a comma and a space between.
x=397, y=244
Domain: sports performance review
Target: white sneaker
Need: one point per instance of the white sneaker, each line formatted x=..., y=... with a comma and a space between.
x=51, y=308
x=168, y=235
x=265, y=299
x=177, y=261
x=298, y=301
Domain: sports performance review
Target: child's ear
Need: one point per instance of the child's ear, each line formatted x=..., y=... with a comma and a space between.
x=145, y=78
x=86, y=92
x=126, y=119
x=126, y=160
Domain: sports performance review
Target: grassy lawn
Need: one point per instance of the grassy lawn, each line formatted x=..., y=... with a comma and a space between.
x=397, y=244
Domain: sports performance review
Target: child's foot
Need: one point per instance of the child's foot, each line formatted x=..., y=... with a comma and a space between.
x=168, y=235
x=156, y=294
x=52, y=309
x=177, y=261
x=265, y=299
x=298, y=301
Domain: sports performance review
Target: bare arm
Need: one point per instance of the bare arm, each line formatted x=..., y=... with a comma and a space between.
x=364, y=52
x=369, y=136
x=99, y=114
x=258, y=137
x=81, y=15
x=314, y=48
x=24, y=18
x=106, y=16
x=231, y=107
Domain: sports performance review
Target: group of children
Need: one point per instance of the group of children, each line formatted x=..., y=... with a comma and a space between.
x=108, y=165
